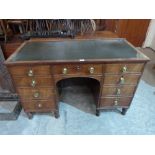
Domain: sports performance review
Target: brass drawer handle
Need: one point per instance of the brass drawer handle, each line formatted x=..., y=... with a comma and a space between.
x=30, y=73
x=64, y=71
x=122, y=80
x=39, y=105
x=118, y=91
x=36, y=95
x=78, y=68
x=116, y=102
x=33, y=83
x=124, y=69
x=91, y=70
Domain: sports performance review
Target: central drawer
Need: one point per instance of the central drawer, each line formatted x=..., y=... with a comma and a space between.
x=36, y=93
x=33, y=82
x=84, y=69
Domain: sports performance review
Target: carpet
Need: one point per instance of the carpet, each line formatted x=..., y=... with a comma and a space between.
x=139, y=120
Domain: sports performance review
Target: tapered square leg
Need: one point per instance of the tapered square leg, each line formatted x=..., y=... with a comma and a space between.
x=29, y=115
x=124, y=110
x=97, y=112
x=56, y=114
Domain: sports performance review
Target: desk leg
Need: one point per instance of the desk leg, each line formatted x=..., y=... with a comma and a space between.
x=56, y=114
x=124, y=110
x=29, y=115
x=97, y=112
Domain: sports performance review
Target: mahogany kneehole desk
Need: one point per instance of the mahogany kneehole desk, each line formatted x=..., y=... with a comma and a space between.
x=42, y=71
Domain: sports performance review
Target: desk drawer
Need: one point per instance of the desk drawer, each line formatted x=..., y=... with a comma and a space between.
x=42, y=70
x=36, y=93
x=84, y=69
x=119, y=79
x=124, y=68
x=113, y=101
x=118, y=91
x=38, y=105
x=33, y=82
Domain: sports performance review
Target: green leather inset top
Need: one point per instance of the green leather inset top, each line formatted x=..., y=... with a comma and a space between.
x=77, y=49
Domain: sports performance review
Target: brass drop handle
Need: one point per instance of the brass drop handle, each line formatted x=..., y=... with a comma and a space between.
x=122, y=80
x=36, y=95
x=124, y=69
x=116, y=102
x=118, y=91
x=33, y=83
x=78, y=68
x=30, y=73
x=39, y=105
x=64, y=71
x=91, y=70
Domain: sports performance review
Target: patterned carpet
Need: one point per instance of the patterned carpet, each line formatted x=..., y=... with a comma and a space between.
x=140, y=119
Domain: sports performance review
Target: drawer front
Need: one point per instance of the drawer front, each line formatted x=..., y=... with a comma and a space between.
x=38, y=105
x=85, y=69
x=118, y=91
x=36, y=93
x=113, y=101
x=33, y=82
x=119, y=79
x=30, y=70
x=124, y=68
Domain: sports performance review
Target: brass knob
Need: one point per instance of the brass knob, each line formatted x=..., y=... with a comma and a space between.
x=116, y=102
x=124, y=69
x=36, y=95
x=30, y=73
x=118, y=91
x=91, y=70
x=122, y=80
x=33, y=83
x=64, y=71
x=39, y=105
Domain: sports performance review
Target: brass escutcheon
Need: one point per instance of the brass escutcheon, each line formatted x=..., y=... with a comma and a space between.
x=91, y=70
x=30, y=73
x=64, y=71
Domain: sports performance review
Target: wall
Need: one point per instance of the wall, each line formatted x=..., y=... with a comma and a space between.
x=134, y=30
x=150, y=38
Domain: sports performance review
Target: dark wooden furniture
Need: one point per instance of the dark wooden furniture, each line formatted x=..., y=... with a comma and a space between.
x=134, y=30
x=10, y=48
x=111, y=68
x=7, y=91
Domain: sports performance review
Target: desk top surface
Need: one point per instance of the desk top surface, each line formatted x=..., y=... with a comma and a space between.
x=96, y=49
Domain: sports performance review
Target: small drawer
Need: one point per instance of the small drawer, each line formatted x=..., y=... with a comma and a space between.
x=90, y=69
x=113, y=101
x=38, y=105
x=118, y=91
x=39, y=70
x=123, y=68
x=33, y=82
x=121, y=80
x=36, y=93
x=84, y=69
